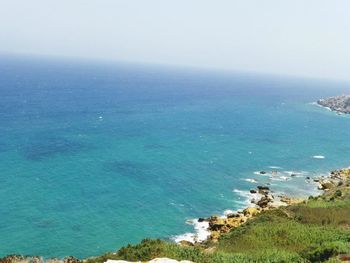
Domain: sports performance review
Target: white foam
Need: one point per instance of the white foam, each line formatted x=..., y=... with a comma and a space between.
x=276, y=179
x=296, y=173
x=190, y=237
x=248, y=196
x=275, y=167
x=258, y=173
x=318, y=157
x=201, y=232
x=284, y=178
x=250, y=180
x=228, y=212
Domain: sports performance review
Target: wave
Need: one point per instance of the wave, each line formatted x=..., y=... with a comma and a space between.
x=251, y=180
x=318, y=157
x=275, y=167
x=201, y=232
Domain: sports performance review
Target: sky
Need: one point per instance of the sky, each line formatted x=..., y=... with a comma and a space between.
x=294, y=37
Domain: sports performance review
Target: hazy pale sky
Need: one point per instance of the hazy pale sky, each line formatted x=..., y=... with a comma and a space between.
x=297, y=37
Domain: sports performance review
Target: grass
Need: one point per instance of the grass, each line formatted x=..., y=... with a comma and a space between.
x=149, y=249
x=274, y=229
x=315, y=231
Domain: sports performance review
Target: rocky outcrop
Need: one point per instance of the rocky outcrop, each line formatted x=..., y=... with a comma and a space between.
x=264, y=201
x=340, y=104
x=326, y=185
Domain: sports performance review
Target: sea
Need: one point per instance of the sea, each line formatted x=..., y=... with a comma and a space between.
x=95, y=155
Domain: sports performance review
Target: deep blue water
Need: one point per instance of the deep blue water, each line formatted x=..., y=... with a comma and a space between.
x=96, y=155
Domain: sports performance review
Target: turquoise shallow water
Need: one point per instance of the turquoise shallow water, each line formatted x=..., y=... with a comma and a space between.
x=94, y=156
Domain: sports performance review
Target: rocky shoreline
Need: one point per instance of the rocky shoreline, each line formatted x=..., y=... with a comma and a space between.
x=264, y=199
x=334, y=185
x=339, y=104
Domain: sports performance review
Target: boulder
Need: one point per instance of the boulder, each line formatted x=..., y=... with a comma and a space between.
x=214, y=235
x=263, y=202
x=326, y=185
x=260, y=187
x=216, y=223
x=233, y=215
x=251, y=211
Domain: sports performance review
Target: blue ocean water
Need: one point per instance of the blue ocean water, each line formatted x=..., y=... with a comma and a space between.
x=97, y=155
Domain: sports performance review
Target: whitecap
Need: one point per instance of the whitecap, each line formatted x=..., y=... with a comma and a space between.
x=284, y=178
x=318, y=157
x=276, y=179
x=275, y=167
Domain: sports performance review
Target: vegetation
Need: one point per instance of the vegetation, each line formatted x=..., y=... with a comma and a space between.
x=314, y=231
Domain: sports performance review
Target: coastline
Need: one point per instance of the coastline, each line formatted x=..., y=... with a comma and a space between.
x=258, y=199
x=262, y=199
x=338, y=104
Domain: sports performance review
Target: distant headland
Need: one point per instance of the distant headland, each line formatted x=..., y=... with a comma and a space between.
x=340, y=104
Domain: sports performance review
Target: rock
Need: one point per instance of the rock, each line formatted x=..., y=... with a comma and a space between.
x=340, y=104
x=214, y=235
x=71, y=259
x=262, y=172
x=200, y=220
x=11, y=259
x=326, y=185
x=253, y=191
x=345, y=172
x=263, y=202
x=232, y=222
x=216, y=223
x=251, y=211
x=263, y=189
x=186, y=243
x=260, y=187
x=233, y=215
x=289, y=200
